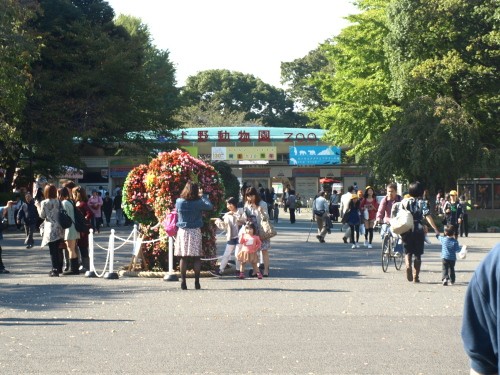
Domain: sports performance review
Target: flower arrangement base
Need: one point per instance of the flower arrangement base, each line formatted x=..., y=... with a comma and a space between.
x=157, y=275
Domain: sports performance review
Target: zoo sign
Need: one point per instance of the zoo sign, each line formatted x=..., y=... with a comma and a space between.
x=314, y=155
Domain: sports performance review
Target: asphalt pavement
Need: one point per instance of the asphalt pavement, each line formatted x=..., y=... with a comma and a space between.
x=325, y=309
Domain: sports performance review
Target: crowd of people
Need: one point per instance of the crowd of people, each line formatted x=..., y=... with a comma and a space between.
x=68, y=247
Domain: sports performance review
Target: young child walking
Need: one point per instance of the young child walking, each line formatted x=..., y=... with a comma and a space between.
x=250, y=244
x=229, y=223
x=449, y=250
x=276, y=213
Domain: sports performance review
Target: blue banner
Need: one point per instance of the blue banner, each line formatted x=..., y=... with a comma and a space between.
x=314, y=155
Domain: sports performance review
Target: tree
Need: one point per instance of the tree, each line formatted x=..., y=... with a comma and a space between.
x=20, y=45
x=433, y=142
x=298, y=74
x=238, y=92
x=356, y=88
x=210, y=114
x=450, y=50
x=229, y=180
x=95, y=83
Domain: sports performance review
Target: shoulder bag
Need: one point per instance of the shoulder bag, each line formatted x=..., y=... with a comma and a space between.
x=266, y=230
x=64, y=219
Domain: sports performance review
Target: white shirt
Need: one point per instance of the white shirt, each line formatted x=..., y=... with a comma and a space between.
x=344, y=202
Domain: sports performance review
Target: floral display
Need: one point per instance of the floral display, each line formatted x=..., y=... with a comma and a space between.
x=151, y=191
x=135, y=198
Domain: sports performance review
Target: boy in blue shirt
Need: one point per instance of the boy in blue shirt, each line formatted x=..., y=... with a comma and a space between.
x=449, y=250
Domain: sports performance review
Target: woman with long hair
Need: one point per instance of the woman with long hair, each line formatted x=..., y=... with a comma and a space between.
x=370, y=206
x=190, y=206
x=255, y=210
x=71, y=235
x=51, y=230
x=81, y=199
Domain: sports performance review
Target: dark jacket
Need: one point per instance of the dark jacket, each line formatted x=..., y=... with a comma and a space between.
x=28, y=214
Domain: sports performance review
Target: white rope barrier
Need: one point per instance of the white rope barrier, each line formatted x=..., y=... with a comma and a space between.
x=137, y=241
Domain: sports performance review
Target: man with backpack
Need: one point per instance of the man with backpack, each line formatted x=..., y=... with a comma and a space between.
x=413, y=240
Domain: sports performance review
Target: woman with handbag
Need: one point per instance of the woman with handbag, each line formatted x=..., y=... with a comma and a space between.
x=70, y=234
x=188, y=242
x=51, y=231
x=369, y=208
x=255, y=210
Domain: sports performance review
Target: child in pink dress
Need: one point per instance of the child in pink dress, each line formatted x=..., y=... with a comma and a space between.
x=250, y=244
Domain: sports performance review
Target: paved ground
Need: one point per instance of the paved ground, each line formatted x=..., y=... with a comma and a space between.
x=326, y=309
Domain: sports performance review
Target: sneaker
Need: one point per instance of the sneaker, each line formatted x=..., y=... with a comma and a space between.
x=3, y=270
x=445, y=282
x=353, y=246
x=319, y=238
x=345, y=239
x=452, y=283
x=259, y=275
x=242, y=275
x=397, y=254
x=357, y=245
x=370, y=246
x=215, y=273
x=366, y=244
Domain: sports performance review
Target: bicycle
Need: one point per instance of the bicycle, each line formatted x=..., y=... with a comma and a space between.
x=389, y=242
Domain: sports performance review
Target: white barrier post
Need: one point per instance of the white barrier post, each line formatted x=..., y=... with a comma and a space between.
x=171, y=276
x=111, y=275
x=91, y=271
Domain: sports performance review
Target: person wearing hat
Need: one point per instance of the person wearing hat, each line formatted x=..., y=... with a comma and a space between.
x=453, y=212
x=354, y=219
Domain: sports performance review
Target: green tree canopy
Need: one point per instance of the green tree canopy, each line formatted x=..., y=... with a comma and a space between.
x=298, y=74
x=356, y=87
x=238, y=92
x=94, y=83
x=19, y=47
x=449, y=50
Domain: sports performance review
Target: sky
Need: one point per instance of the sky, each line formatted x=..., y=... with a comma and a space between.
x=252, y=37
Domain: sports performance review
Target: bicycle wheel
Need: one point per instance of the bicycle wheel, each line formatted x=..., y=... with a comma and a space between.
x=386, y=253
x=398, y=261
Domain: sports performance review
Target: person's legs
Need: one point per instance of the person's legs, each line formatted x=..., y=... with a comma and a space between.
x=227, y=254
x=265, y=255
x=292, y=215
x=444, y=270
x=73, y=258
x=26, y=232
x=452, y=271
x=242, y=270
x=408, y=264
x=256, y=270
x=356, y=228
x=183, y=267
x=31, y=230
x=55, y=258
x=352, y=233
x=197, y=270
x=465, y=222
x=416, y=265
x=2, y=267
